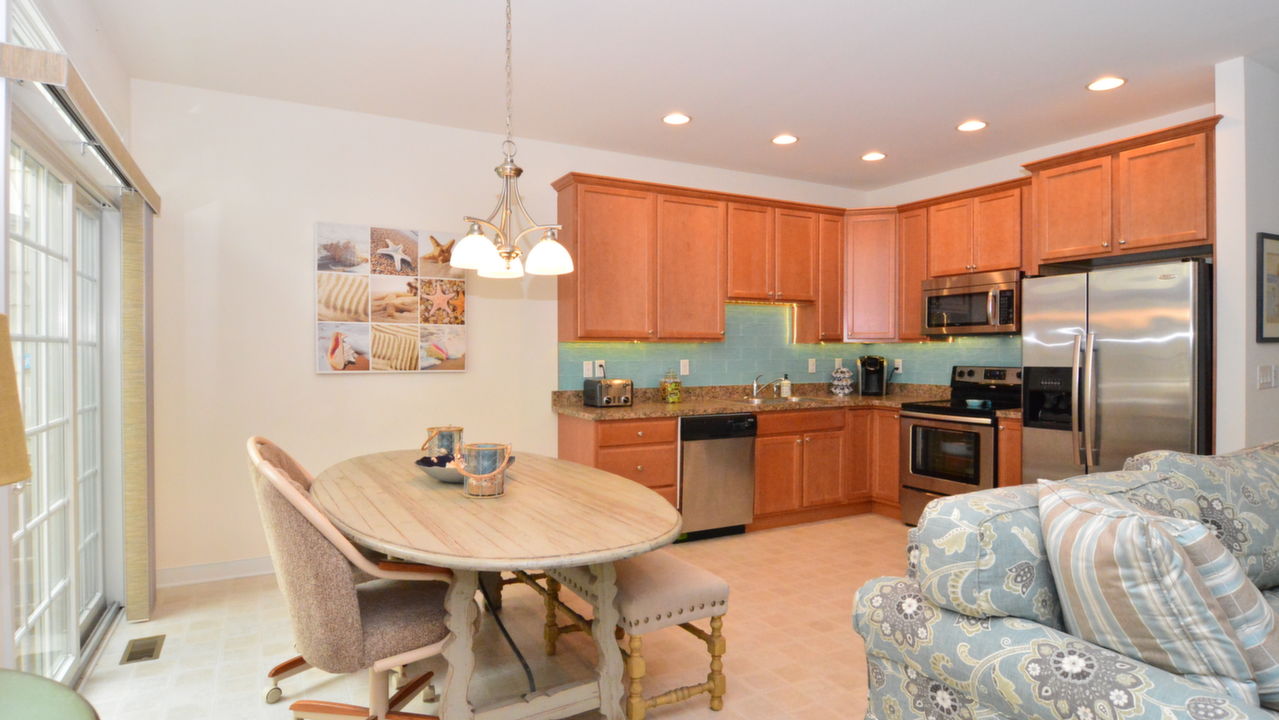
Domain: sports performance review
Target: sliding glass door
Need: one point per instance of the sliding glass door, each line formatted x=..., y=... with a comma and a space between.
x=54, y=259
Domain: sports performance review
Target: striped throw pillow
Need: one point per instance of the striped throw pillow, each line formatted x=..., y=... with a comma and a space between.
x=1128, y=580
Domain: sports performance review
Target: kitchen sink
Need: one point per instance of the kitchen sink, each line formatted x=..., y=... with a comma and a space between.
x=769, y=401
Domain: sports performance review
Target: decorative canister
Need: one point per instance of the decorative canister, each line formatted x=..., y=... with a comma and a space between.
x=484, y=465
x=443, y=440
x=841, y=381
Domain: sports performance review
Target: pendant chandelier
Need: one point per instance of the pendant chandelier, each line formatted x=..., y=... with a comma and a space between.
x=500, y=256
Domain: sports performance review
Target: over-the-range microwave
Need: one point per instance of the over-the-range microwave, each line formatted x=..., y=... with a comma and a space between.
x=976, y=304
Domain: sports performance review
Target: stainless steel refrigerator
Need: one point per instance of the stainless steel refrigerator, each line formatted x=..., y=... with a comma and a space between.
x=1116, y=362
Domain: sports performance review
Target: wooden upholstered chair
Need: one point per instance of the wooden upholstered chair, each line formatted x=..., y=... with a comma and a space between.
x=654, y=591
x=341, y=625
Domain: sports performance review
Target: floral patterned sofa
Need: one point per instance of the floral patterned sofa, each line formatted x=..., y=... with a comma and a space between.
x=974, y=631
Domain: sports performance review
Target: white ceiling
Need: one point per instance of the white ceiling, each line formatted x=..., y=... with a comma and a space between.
x=846, y=76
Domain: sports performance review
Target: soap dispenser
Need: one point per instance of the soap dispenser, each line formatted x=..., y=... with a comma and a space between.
x=783, y=387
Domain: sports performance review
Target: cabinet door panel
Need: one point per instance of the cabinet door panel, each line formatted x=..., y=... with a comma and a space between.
x=690, y=268
x=950, y=238
x=823, y=468
x=912, y=270
x=1163, y=193
x=615, y=263
x=795, y=256
x=830, y=278
x=1073, y=210
x=648, y=465
x=997, y=231
x=857, y=455
x=871, y=279
x=778, y=468
x=1009, y=461
x=886, y=474
x=750, y=252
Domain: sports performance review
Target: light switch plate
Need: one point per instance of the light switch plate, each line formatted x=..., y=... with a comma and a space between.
x=839, y=363
x=898, y=365
x=812, y=365
x=1265, y=377
x=599, y=369
x=588, y=369
x=683, y=366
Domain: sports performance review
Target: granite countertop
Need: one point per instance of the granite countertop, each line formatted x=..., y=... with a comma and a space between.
x=711, y=400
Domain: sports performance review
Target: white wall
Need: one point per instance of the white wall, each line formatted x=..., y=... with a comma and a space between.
x=1009, y=167
x=1247, y=96
x=243, y=181
x=76, y=25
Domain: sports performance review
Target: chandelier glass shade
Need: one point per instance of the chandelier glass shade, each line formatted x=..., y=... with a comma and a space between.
x=500, y=256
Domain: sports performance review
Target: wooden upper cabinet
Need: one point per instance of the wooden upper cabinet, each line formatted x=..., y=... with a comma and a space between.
x=690, y=268
x=795, y=255
x=824, y=319
x=950, y=238
x=614, y=241
x=870, y=279
x=750, y=252
x=912, y=270
x=1163, y=193
x=997, y=231
x=1072, y=210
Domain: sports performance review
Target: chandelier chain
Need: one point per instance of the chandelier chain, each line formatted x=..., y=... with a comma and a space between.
x=509, y=145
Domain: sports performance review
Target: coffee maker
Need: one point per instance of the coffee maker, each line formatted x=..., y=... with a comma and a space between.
x=873, y=374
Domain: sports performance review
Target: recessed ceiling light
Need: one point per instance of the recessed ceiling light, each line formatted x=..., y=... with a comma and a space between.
x=785, y=139
x=1109, y=82
x=970, y=126
x=874, y=156
x=676, y=118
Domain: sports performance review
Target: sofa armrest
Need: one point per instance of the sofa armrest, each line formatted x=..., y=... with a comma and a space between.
x=1019, y=668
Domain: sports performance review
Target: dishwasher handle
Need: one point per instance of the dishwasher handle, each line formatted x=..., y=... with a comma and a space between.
x=716, y=427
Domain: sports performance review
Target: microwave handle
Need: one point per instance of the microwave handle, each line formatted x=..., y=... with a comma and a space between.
x=992, y=300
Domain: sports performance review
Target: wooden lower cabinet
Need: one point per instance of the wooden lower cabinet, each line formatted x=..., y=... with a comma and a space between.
x=823, y=468
x=872, y=471
x=645, y=451
x=779, y=466
x=1009, y=449
x=799, y=462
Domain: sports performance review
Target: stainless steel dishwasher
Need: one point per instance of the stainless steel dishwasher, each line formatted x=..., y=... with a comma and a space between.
x=717, y=471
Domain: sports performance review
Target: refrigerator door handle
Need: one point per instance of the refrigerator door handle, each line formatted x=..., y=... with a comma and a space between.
x=1076, y=435
x=1092, y=439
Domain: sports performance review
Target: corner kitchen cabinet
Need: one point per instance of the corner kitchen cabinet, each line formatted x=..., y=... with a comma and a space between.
x=981, y=233
x=643, y=450
x=870, y=266
x=1149, y=192
x=648, y=265
x=824, y=319
x=1009, y=452
x=912, y=270
x=798, y=460
x=873, y=471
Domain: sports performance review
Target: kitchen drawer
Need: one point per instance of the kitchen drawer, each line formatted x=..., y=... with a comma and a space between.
x=670, y=493
x=637, y=432
x=799, y=421
x=650, y=466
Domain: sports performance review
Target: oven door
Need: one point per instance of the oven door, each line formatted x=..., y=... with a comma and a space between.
x=947, y=455
x=971, y=310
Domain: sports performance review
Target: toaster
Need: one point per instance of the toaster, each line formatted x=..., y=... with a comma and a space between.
x=606, y=392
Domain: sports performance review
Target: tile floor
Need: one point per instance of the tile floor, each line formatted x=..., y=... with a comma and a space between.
x=792, y=652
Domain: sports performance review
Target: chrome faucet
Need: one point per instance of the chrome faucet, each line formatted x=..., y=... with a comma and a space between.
x=756, y=387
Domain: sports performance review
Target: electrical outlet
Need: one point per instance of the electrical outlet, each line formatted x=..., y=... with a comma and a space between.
x=588, y=369
x=897, y=366
x=812, y=365
x=1265, y=377
x=839, y=363
x=683, y=366
x=599, y=369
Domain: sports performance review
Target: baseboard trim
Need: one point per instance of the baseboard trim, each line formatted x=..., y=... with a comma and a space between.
x=211, y=572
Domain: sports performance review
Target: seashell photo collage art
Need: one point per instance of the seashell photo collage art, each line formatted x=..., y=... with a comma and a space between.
x=387, y=300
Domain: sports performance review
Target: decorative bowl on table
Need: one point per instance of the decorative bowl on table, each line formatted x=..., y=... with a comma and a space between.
x=441, y=467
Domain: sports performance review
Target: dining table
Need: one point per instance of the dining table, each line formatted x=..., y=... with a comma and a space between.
x=553, y=514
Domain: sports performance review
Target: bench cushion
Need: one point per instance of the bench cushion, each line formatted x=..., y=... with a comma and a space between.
x=654, y=590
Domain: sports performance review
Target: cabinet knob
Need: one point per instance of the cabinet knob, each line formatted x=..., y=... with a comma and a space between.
x=1002, y=428
x=1123, y=242
x=650, y=332
x=797, y=441
x=1105, y=244
x=639, y=433
x=640, y=468
x=808, y=439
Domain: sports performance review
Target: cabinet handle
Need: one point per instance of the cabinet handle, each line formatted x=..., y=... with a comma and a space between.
x=639, y=433
x=640, y=468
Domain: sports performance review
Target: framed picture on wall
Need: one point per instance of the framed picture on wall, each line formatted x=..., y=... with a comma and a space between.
x=1267, y=287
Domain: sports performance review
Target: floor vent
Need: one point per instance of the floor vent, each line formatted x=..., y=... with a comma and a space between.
x=142, y=649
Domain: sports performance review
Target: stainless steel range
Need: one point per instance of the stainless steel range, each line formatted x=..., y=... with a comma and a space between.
x=948, y=447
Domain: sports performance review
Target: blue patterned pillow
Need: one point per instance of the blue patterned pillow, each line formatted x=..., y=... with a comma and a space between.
x=1127, y=580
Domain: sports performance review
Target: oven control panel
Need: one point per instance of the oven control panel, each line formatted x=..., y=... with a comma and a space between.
x=985, y=375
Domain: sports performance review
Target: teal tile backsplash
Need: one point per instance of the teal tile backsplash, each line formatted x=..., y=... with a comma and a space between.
x=756, y=341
